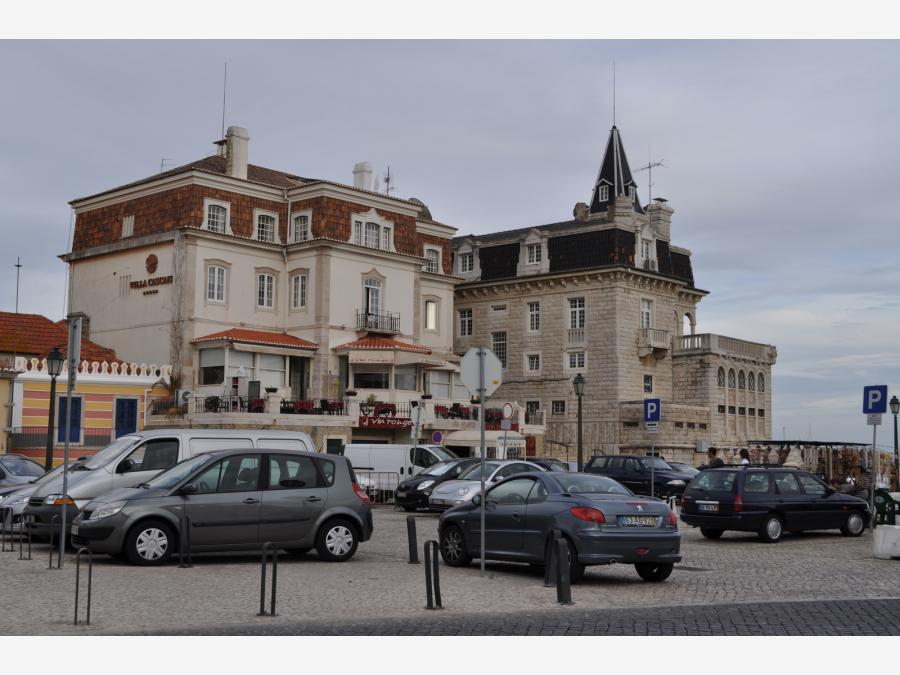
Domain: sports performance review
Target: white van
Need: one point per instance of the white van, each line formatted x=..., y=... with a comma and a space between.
x=375, y=463
x=136, y=458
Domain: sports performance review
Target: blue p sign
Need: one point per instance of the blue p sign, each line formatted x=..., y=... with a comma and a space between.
x=875, y=399
x=652, y=410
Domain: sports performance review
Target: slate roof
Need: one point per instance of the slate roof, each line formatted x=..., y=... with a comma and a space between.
x=34, y=335
x=258, y=337
x=615, y=174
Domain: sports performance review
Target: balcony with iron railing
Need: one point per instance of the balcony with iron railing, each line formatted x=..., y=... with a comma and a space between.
x=654, y=341
x=378, y=322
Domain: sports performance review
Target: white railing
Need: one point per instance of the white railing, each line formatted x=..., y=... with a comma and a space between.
x=575, y=336
x=720, y=344
x=655, y=338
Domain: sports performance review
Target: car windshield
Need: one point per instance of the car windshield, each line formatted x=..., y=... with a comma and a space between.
x=714, y=481
x=171, y=477
x=438, y=469
x=585, y=484
x=656, y=463
x=109, y=453
x=474, y=472
x=19, y=466
x=442, y=452
x=684, y=468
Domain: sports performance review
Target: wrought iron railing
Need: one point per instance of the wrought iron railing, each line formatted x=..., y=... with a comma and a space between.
x=314, y=406
x=385, y=322
x=228, y=404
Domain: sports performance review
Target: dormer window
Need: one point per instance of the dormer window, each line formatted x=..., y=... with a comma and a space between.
x=466, y=262
x=432, y=260
x=266, y=226
x=603, y=193
x=300, y=228
x=371, y=231
x=216, y=216
x=373, y=235
x=645, y=249
x=534, y=253
x=631, y=191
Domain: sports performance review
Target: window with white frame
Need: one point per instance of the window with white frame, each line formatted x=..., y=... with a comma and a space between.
x=300, y=228
x=431, y=315
x=128, y=226
x=631, y=191
x=357, y=232
x=533, y=363
x=432, y=261
x=645, y=249
x=558, y=408
x=576, y=313
x=534, y=317
x=465, y=322
x=265, y=227
x=498, y=346
x=265, y=290
x=533, y=253
x=385, y=238
x=646, y=313
x=576, y=360
x=372, y=235
x=466, y=262
x=216, y=217
x=603, y=193
x=215, y=283
x=372, y=296
x=298, y=291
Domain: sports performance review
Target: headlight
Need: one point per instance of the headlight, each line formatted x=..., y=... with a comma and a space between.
x=106, y=510
x=57, y=500
x=425, y=484
x=10, y=501
x=676, y=482
x=462, y=491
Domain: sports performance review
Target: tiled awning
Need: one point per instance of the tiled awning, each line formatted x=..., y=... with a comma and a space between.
x=376, y=343
x=258, y=337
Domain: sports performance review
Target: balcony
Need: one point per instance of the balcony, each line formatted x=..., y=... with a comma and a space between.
x=377, y=322
x=575, y=336
x=653, y=341
x=710, y=343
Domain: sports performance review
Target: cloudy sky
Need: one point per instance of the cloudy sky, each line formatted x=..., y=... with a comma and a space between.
x=780, y=162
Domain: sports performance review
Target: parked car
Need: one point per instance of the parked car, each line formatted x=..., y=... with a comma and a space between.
x=381, y=467
x=602, y=521
x=684, y=468
x=769, y=501
x=138, y=457
x=460, y=491
x=549, y=463
x=414, y=492
x=235, y=500
x=14, y=499
x=18, y=470
x=634, y=472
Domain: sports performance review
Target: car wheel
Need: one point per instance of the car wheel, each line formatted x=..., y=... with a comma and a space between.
x=772, y=529
x=453, y=547
x=336, y=540
x=711, y=532
x=149, y=543
x=654, y=571
x=854, y=525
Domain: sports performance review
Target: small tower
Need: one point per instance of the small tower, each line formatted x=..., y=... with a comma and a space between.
x=614, y=180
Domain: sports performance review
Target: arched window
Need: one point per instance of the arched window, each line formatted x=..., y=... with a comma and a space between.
x=751, y=381
x=720, y=377
x=761, y=382
x=731, y=377
x=742, y=380
x=687, y=324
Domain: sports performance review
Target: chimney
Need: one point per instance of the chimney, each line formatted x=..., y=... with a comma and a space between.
x=362, y=176
x=661, y=218
x=236, y=142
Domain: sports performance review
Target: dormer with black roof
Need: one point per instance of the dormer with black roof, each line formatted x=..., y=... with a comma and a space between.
x=614, y=179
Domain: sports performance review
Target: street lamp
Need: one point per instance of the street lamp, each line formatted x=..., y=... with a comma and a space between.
x=54, y=368
x=578, y=383
x=895, y=408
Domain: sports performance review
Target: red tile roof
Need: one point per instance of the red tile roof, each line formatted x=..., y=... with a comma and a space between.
x=259, y=337
x=34, y=335
x=383, y=344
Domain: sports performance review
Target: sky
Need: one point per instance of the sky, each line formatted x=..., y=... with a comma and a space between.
x=780, y=160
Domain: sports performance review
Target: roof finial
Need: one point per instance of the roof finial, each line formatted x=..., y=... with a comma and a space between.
x=614, y=93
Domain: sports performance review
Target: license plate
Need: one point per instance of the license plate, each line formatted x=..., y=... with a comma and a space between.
x=74, y=529
x=637, y=521
x=707, y=506
x=401, y=494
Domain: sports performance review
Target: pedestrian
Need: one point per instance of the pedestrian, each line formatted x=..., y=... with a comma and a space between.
x=745, y=456
x=713, y=462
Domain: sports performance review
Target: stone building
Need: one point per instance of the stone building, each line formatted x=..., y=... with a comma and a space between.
x=607, y=294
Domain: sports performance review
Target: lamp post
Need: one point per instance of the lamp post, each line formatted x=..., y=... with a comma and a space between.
x=54, y=368
x=578, y=383
x=895, y=409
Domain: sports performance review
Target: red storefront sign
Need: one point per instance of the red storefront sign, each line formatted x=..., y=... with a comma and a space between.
x=384, y=422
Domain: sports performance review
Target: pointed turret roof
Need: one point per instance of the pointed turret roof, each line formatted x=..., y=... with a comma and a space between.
x=615, y=174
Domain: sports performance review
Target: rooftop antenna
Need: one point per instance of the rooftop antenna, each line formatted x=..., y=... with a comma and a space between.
x=388, y=180
x=224, y=90
x=614, y=93
x=648, y=167
x=162, y=163
x=18, y=267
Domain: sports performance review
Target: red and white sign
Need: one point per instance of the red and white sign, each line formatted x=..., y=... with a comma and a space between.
x=384, y=422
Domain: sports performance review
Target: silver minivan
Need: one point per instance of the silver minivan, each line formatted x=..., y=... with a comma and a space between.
x=233, y=500
x=138, y=457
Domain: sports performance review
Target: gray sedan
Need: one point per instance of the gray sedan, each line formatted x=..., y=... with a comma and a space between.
x=461, y=491
x=234, y=500
x=602, y=520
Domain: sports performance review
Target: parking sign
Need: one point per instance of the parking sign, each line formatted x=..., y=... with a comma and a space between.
x=875, y=399
x=652, y=410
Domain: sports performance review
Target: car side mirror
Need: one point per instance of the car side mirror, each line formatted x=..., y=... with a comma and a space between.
x=476, y=500
x=125, y=466
x=187, y=489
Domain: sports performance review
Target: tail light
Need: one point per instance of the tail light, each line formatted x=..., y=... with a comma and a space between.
x=673, y=520
x=738, y=504
x=363, y=497
x=588, y=514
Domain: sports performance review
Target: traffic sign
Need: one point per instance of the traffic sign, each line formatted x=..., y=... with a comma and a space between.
x=437, y=437
x=873, y=419
x=507, y=410
x=469, y=371
x=875, y=399
x=651, y=427
x=74, y=349
x=652, y=410
x=505, y=425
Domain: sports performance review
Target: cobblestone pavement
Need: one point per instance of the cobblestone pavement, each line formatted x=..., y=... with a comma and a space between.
x=223, y=590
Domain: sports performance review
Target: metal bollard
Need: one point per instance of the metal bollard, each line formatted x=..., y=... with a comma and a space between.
x=550, y=566
x=432, y=576
x=563, y=582
x=184, y=543
x=22, y=537
x=53, y=520
x=7, y=531
x=413, y=545
x=78, y=582
x=262, y=580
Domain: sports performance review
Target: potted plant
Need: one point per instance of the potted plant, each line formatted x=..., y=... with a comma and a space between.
x=350, y=392
x=271, y=390
x=426, y=397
